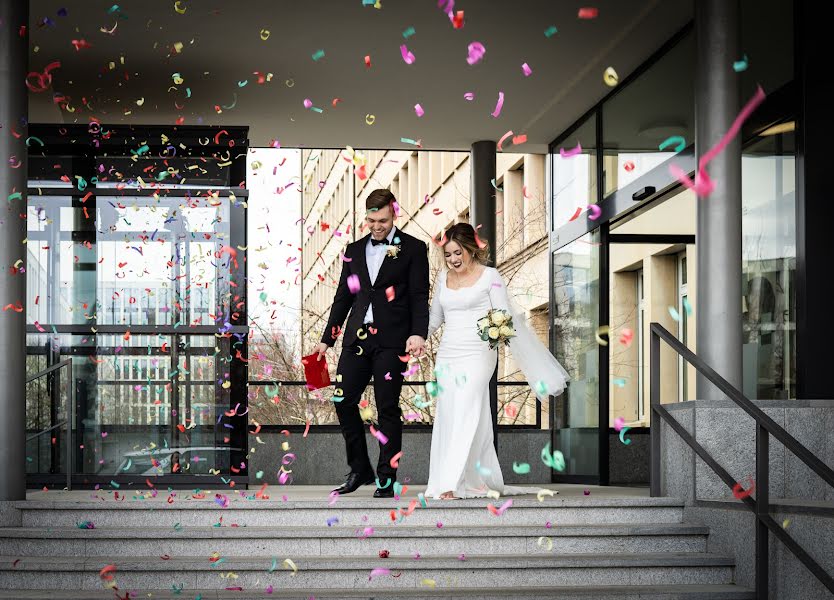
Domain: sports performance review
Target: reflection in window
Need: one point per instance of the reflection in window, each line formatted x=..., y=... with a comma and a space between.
x=769, y=267
x=574, y=176
x=646, y=113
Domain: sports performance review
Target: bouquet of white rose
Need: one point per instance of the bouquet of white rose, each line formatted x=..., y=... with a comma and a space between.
x=496, y=328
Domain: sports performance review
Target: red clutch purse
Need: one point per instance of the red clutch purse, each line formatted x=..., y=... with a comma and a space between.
x=315, y=371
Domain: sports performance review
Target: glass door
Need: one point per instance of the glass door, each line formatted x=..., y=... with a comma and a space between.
x=577, y=336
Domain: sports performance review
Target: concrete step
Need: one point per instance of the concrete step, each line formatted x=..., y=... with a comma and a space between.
x=349, y=572
x=350, y=539
x=654, y=592
x=186, y=510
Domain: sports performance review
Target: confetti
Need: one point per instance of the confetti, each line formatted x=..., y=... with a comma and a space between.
x=677, y=140
x=628, y=166
x=521, y=469
x=544, y=492
x=378, y=572
x=419, y=110
x=408, y=32
x=476, y=52
x=618, y=423
x=369, y=119
x=623, y=431
x=499, y=511
x=499, y=105
x=408, y=56
x=545, y=541
x=291, y=565
x=740, y=65
x=740, y=493
x=674, y=314
x=469, y=96
x=595, y=211
x=368, y=61
x=572, y=152
x=525, y=68
x=610, y=77
x=353, y=283
x=550, y=31
x=588, y=13
x=318, y=55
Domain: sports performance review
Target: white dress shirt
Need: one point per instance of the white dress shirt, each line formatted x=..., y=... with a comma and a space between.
x=374, y=256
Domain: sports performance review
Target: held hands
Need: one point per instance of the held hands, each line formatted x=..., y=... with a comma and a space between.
x=321, y=349
x=415, y=345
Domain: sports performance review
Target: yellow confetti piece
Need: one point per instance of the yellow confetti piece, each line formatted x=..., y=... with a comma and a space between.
x=601, y=332
x=289, y=563
x=610, y=77
x=229, y=575
x=179, y=8
x=369, y=119
x=493, y=494
x=285, y=446
x=785, y=523
x=542, y=493
x=429, y=582
x=545, y=541
x=264, y=34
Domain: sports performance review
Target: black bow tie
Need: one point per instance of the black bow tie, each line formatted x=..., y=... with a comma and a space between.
x=378, y=242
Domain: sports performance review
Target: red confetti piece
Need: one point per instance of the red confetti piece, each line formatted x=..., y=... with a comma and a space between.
x=588, y=13
x=740, y=493
x=576, y=214
x=389, y=293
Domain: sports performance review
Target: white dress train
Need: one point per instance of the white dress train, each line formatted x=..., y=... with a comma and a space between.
x=463, y=459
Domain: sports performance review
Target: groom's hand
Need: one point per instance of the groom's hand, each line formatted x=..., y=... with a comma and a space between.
x=321, y=349
x=415, y=345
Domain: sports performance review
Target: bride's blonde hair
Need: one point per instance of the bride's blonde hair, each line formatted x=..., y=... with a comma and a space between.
x=465, y=236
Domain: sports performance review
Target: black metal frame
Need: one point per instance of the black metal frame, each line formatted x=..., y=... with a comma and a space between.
x=81, y=154
x=765, y=427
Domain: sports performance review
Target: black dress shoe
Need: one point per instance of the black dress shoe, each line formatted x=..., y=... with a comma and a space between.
x=384, y=493
x=354, y=481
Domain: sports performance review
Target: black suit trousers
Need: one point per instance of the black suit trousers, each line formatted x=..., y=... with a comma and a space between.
x=359, y=362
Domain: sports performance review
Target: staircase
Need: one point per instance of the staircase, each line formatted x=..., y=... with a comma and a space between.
x=194, y=548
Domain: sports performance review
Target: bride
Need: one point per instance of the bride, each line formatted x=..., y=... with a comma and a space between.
x=463, y=462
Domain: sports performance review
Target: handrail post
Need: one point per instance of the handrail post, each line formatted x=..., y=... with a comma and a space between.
x=70, y=424
x=762, y=510
x=654, y=424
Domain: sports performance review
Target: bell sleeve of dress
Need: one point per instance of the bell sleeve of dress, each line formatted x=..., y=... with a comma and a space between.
x=436, y=316
x=543, y=372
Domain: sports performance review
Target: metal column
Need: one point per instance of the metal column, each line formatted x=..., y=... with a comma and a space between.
x=482, y=213
x=14, y=112
x=719, y=333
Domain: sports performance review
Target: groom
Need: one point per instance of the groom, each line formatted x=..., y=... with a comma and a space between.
x=385, y=287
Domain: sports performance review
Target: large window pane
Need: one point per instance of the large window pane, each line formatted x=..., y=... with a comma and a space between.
x=656, y=106
x=574, y=176
x=576, y=286
x=769, y=267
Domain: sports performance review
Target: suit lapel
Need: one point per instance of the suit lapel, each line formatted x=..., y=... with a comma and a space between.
x=362, y=261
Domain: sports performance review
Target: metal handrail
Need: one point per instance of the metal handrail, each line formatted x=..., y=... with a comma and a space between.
x=66, y=363
x=765, y=426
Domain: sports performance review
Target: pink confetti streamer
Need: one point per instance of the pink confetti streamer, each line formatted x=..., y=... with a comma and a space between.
x=469, y=96
x=503, y=139
x=353, y=283
x=476, y=52
x=383, y=439
x=595, y=211
x=572, y=152
x=345, y=258
x=419, y=110
x=411, y=370
x=703, y=185
x=500, y=511
x=307, y=103
x=408, y=57
x=378, y=572
x=525, y=68
x=499, y=106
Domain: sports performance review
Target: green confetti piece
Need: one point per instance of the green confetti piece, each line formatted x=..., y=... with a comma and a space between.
x=259, y=474
x=740, y=65
x=674, y=139
x=409, y=32
x=318, y=54
x=405, y=140
x=687, y=307
x=550, y=31
x=674, y=314
x=37, y=139
x=521, y=469
x=114, y=484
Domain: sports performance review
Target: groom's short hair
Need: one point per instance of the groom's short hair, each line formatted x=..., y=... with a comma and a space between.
x=379, y=199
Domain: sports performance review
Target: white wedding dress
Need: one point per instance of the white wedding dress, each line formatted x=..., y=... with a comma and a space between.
x=463, y=459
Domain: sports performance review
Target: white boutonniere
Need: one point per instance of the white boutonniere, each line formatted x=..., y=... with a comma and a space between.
x=393, y=250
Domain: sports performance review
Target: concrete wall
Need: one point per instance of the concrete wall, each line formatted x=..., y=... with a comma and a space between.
x=320, y=457
x=728, y=434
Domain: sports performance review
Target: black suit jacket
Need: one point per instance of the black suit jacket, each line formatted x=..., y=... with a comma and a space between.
x=405, y=315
